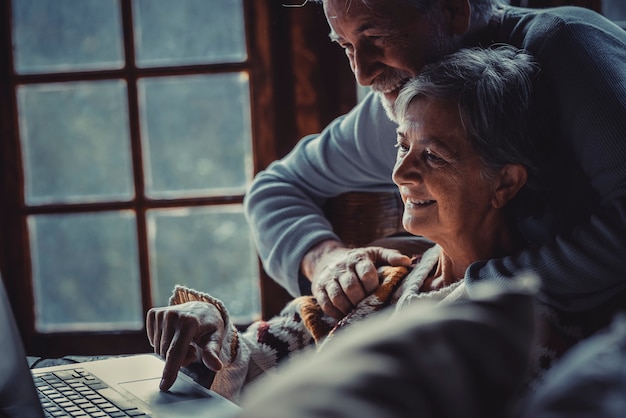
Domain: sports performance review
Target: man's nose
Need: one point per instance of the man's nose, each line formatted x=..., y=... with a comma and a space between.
x=366, y=65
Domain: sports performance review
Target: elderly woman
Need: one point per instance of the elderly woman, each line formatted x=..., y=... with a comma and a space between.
x=464, y=152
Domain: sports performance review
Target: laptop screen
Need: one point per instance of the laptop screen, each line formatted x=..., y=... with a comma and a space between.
x=18, y=397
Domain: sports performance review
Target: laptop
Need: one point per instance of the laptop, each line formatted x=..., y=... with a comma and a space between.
x=130, y=383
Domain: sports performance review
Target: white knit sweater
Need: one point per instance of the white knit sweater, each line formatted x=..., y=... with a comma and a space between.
x=301, y=324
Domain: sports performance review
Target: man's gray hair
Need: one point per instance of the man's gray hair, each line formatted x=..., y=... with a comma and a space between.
x=493, y=89
x=481, y=9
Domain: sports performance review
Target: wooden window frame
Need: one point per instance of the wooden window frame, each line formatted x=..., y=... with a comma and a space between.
x=299, y=82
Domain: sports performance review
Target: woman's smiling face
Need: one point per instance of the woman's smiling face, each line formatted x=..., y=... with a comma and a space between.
x=440, y=175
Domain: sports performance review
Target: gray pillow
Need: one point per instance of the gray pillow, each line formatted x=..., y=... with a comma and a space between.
x=589, y=381
x=465, y=359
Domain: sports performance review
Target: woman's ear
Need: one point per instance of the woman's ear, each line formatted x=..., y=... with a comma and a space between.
x=509, y=181
x=458, y=14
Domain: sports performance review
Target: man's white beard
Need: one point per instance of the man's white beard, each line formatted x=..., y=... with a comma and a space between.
x=389, y=107
x=441, y=45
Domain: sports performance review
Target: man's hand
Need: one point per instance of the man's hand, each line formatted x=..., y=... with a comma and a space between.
x=178, y=332
x=342, y=277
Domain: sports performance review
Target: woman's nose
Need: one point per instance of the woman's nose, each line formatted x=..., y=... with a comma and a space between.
x=406, y=171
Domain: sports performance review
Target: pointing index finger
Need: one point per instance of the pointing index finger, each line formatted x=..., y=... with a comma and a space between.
x=174, y=359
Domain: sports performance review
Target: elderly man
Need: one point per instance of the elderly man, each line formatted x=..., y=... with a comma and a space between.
x=575, y=235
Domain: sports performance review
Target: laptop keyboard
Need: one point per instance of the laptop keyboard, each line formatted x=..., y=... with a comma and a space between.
x=78, y=393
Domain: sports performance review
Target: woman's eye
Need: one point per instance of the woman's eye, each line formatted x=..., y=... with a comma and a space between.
x=433, y=158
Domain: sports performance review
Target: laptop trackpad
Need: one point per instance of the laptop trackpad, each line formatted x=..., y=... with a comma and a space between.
x=148, y=391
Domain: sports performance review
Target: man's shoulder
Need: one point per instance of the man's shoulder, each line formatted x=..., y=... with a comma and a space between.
x=565, y=13
x=536, y=29
x=555, y=17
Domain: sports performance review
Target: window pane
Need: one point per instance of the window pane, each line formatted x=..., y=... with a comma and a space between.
x=208, y=249
x=196, y=134
x=187, y=32
x=67, y=35
x=85, y=272
x=615, y=10
x=75, y=142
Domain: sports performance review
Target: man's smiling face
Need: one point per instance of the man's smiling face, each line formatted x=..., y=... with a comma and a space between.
x=387, y=41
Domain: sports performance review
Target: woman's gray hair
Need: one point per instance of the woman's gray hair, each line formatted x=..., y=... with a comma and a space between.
x=493, y=89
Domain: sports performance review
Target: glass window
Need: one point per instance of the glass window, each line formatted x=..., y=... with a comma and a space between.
x=196, y=133
x=133, y=176
x=85, y=271
x=184, y=32
x=67, y=35
x=615, y=10
x=202, y=248
x=75, y=142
